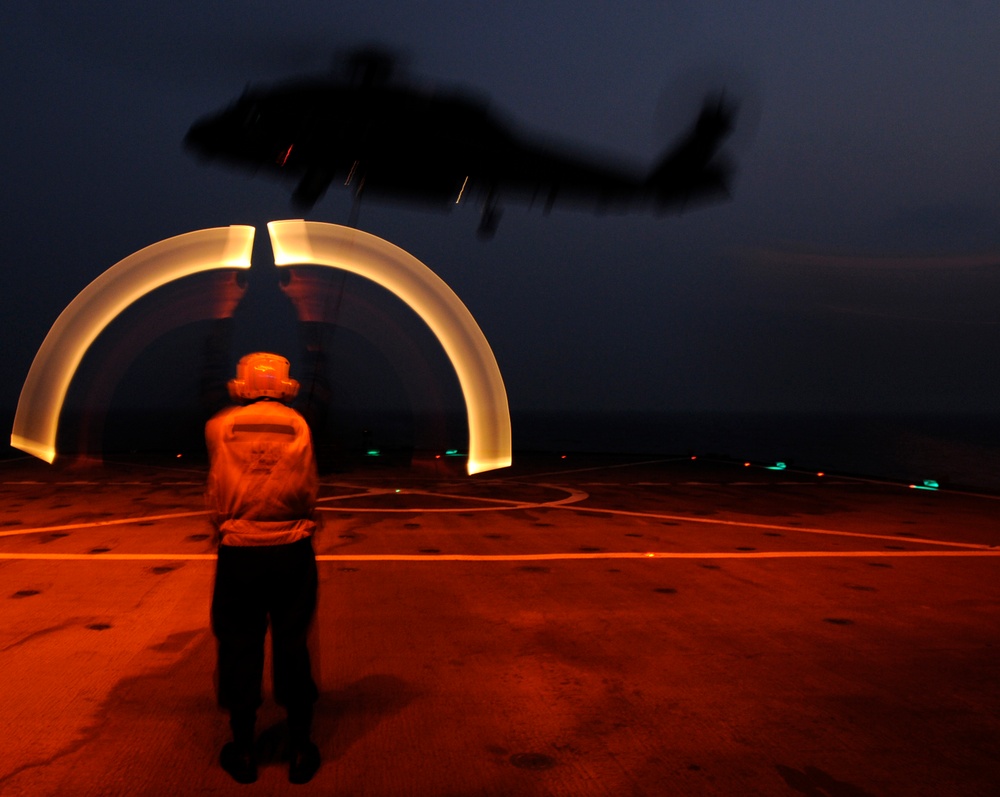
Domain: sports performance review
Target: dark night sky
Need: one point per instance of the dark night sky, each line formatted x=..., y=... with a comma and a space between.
x=857, y=266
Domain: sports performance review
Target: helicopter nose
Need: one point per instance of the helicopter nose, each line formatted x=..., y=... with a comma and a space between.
x=203, y=137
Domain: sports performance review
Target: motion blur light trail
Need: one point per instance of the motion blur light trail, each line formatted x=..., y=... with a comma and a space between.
x=294, y=242
x=297, y=242
x=37, y=418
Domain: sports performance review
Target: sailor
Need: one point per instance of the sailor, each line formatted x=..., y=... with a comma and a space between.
x=262, y=489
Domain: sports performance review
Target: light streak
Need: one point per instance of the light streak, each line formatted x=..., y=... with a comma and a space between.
x=37, y=418
x=295, y=243
x=298, y=242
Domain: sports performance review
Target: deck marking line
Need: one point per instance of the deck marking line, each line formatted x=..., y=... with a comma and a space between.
x=367, y=494
x=503, y=503
x=570, y=502
x=440, y=510
x=101, y=523
x=791, y=529
x=104, y=484
x=526, y=557
x=532, y=557
x=499, y=504
x=113, y=557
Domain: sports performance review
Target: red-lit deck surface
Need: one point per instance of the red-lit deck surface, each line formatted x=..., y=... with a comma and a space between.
x=561, y=628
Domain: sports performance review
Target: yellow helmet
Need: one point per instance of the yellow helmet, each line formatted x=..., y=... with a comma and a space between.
x=262, y=375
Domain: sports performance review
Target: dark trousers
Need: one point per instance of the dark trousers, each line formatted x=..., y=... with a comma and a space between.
x=254, y=585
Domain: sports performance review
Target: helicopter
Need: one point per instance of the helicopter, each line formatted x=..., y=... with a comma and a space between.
x=384, y=138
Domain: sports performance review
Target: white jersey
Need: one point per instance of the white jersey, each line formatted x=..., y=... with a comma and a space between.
x=262, y=480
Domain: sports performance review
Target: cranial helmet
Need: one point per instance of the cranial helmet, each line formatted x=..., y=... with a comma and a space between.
x=262, y=375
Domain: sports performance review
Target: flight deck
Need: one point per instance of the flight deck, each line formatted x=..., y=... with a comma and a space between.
x=568, y=626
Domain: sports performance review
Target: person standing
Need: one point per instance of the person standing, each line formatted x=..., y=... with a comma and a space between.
x=262, y=490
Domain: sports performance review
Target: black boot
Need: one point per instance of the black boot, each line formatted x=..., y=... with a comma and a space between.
x=237, y=757
x=303, y=758
x=239, y=762
x=303, y=762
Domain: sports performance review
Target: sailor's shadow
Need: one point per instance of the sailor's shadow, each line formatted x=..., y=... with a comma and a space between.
x=817, y=783
x=347, y=715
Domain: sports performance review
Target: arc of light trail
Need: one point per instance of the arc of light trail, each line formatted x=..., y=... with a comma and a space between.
x=298, y=242
x=37, y=418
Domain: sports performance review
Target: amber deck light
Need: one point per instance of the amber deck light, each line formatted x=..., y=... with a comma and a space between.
x=297, y=242
x=37, y=418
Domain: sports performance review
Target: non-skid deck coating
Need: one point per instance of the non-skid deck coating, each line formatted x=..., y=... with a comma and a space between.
x=565, y=627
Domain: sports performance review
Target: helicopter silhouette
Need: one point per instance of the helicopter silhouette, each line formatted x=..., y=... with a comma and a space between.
x=384, y=138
